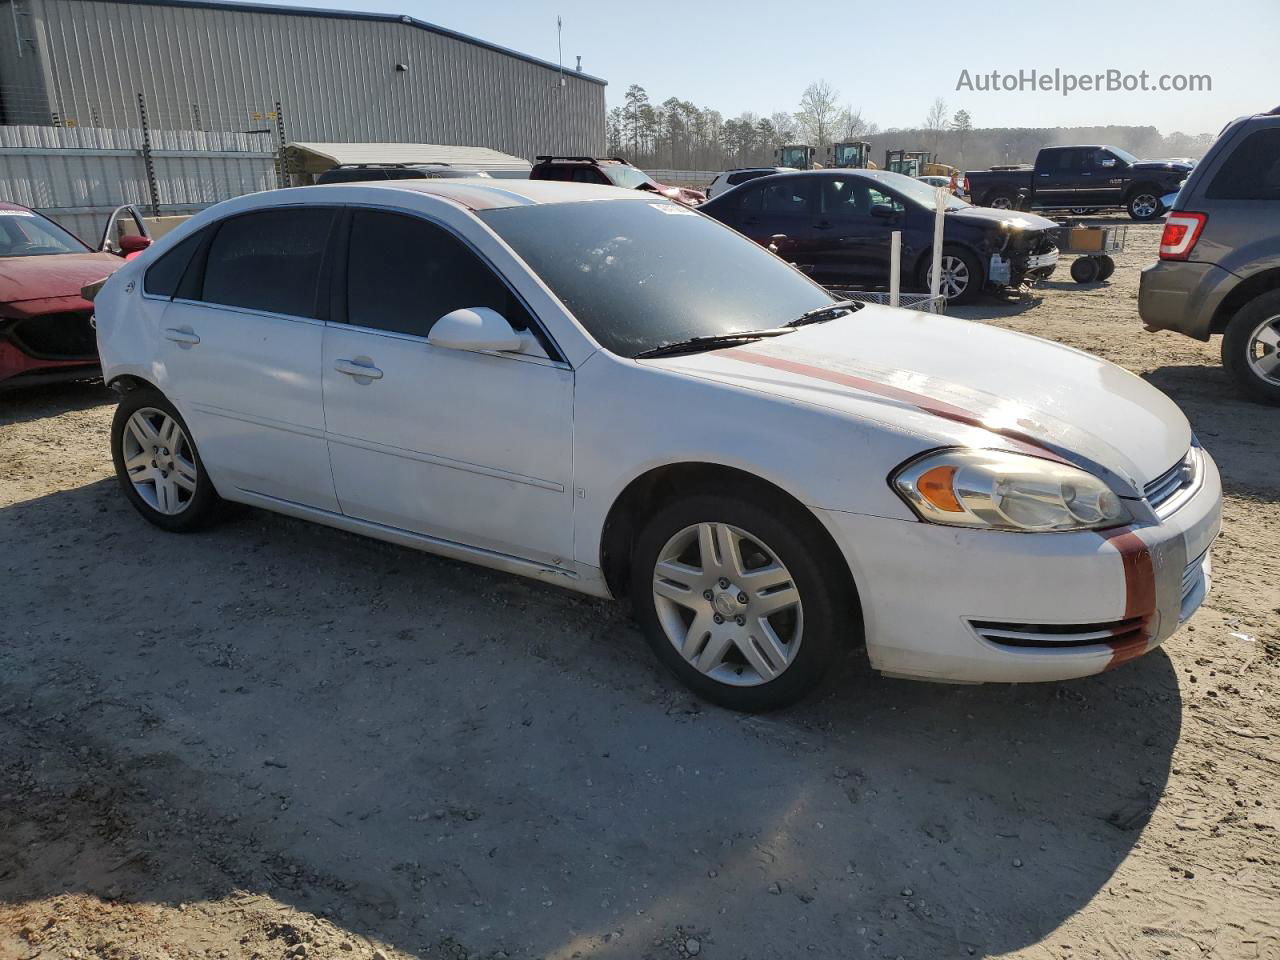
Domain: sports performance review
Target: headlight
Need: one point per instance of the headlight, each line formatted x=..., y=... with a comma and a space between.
x=996, y=490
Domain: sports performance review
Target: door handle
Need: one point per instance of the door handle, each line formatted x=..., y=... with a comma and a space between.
x=361, y=369
x=823, y=225
x=187, y=338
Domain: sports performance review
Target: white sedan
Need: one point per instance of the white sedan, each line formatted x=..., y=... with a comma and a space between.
x=613, y=393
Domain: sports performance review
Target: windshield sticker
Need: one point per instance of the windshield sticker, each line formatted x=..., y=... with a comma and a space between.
x=16, y=213
x=673, y=209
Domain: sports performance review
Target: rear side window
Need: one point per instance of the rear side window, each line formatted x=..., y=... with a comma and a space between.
x=269, y=261
x=553, y=173
x=1252, y=172
x=405, y=273
x=163, y=276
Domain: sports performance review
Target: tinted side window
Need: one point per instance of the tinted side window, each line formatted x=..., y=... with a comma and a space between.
x=404, y=274
x=786, y=196
x=163, y=276
x=553, y=173
x=269, y=261
x=1252, y=172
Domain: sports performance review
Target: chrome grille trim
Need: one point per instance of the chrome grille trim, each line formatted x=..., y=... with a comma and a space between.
x=1167, y=492
x=1048, y=635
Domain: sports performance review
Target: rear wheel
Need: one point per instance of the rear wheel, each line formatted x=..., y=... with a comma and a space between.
x=738, y=601
x=1251, y=348
x=1086, y=270
x=157, y=463
x=1001, y=200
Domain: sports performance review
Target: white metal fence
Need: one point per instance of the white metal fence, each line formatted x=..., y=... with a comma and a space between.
x=78, y=175
x=700, y=179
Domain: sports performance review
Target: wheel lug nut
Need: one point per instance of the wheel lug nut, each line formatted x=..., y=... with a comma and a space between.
x=742, y=621
x=719, y=619
x=707, y=594
x=723, y=583
x=742, y=598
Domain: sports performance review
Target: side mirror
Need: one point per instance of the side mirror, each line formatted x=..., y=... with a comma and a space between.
x=476, y=329
x=132, y=243
x=1107, y=162
x=882, y=210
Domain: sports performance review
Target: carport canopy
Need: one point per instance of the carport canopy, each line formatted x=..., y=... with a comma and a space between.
x=315, y=158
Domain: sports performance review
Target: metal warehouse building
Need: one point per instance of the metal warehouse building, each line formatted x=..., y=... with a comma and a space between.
x=210, y=66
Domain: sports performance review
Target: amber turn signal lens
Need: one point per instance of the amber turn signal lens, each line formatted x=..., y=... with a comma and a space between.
x=936, y=486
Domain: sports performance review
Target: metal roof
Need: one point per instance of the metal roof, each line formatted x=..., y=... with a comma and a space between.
x=317, y=157
x=363, y=15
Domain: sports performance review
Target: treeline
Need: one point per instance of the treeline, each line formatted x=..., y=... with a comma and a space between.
x=678, y=134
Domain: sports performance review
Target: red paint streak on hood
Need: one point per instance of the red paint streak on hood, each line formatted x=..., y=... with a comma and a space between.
x=53, y=276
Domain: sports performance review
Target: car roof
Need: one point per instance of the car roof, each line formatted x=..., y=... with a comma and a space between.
x=6, y=205
x=494, y=193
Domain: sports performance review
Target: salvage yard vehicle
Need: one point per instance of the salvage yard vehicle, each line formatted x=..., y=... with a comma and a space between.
x=45, y=330
x=836, y=226
x=728, y=179
x=1080, y=177
x=610, y=392
x=610, y=171
x=1219, y=266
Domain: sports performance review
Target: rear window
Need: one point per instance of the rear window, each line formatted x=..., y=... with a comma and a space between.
x=1252, y=172
x=269, y=261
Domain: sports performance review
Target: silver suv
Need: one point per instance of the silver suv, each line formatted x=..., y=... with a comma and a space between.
x=1219, y=266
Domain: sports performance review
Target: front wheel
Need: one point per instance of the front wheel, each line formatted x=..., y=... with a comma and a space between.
x=961, y=275
x=157, y=463
x=739, y=601
x=1251, y=348
x=1144, y=205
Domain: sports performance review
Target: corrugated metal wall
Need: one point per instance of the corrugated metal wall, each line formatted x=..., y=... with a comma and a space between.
x=336, y=78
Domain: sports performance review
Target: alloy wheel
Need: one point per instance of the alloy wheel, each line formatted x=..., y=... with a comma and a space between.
x=955, y=277
x=1145, y=205
x=159, y=461
x=728, y=604
x=1264, y=350
x=1001, y=203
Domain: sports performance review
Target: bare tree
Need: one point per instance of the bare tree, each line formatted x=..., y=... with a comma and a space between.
x=936, y=122
x=819, y=113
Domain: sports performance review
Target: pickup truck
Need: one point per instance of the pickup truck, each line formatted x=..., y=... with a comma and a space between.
x=1080, y=178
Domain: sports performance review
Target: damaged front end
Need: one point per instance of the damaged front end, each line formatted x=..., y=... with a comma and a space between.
x=1020, y=255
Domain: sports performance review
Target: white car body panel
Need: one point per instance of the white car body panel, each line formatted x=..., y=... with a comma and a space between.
x=515, y=460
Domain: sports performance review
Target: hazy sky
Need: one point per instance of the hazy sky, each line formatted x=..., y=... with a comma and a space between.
x=891, y=59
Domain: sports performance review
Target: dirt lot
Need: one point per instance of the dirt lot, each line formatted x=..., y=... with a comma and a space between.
x=275, y=740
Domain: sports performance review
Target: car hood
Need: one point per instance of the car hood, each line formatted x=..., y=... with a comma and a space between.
x=1162, y=165
x=52, y=276
x=989, y=216
x=956, y=382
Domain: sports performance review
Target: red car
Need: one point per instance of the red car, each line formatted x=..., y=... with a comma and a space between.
x=45, y=333
x=610, y=171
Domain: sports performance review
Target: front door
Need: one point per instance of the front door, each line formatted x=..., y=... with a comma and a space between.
x=240, y=348
x=471, y=448
x=852, y=232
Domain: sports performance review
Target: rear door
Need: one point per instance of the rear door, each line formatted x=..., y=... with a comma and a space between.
x=1058, y=177
x=240, y=348
x=785, y=208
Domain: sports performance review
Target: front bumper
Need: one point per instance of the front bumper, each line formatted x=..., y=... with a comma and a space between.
x=949, y=604
x=1183, y=295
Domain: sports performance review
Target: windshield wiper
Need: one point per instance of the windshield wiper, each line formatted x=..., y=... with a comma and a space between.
x=823, y=314
x=712, y=342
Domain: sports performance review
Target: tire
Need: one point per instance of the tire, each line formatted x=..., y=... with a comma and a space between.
x=1250, y=344
x=1108, y=267
x=1143, y=204
x=1086, y=270
x=158, y=465
x=972, y=269
x=803, y=644
x=1000, y=200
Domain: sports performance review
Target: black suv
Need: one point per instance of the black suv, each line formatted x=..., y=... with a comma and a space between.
x=1219, y=266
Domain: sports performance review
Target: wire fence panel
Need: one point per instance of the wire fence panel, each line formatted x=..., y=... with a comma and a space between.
x=78, y=175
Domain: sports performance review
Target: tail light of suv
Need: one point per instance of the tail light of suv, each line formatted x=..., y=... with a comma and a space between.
x=1181, y=231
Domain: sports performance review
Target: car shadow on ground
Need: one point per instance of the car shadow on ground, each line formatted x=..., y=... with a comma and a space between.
x=427, y=752
x=26, y=404
x=1239, y=433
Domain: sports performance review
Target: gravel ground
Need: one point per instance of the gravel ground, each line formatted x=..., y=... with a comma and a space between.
x=276, y=740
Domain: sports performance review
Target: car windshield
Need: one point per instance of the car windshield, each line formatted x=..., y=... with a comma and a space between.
x=625, y=175
x=921, y=193
x=27, y=234
x=1124, y=155
x=644, y=274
